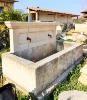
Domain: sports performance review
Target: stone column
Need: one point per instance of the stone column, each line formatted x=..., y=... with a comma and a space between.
x=36, y=16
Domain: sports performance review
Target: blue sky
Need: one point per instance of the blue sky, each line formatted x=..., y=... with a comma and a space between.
x=73, y=6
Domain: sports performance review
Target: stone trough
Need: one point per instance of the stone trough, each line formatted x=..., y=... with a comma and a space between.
x=33, y=62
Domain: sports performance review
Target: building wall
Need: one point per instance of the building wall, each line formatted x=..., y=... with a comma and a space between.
x=46, y=17
x=49, y=17
x=64, y=19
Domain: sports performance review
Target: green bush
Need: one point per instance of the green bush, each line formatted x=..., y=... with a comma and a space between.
x=21, y=96
x=12, y=15
x=4, y=39
x=80, y=20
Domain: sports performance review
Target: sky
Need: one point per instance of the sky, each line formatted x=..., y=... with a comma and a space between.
x=72, y=6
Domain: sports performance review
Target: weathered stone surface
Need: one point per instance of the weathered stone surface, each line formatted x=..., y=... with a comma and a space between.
x=40, y=44
x=73, y=95
x=20, y=70
x=35, y=77
x=51, y=67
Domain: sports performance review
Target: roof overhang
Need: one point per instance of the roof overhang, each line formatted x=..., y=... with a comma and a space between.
x=37, y=9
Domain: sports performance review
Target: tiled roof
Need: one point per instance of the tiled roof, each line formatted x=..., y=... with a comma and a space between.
x=51, y=11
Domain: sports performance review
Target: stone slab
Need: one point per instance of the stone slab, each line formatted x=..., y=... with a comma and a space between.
x=84, y=69
x=83, y=79
x=73, y=95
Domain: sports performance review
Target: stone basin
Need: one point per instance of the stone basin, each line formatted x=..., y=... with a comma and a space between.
x=35, y=76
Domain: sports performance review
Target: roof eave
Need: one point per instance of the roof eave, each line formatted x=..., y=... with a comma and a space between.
x=56, y=12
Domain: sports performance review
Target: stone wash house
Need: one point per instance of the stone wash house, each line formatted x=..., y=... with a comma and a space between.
x=6, y=4
x=47, y=15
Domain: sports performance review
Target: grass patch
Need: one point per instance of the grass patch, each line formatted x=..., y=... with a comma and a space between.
x=21, y=96
x=71, y=83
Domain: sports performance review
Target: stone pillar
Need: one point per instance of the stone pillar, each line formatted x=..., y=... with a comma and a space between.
x=29, y=18
x=36, y=16
x=55, y=17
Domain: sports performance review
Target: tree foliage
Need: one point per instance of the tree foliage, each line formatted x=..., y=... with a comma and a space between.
x=12, y=15
x=8, y=15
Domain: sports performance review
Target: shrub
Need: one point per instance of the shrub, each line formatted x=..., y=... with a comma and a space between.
x=80, y=20
x=12, y=15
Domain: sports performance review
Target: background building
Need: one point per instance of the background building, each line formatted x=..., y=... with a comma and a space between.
x=46, y=15
x=84, y=12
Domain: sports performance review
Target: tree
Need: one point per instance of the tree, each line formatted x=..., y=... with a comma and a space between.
x=8, y=15
x=12, y=15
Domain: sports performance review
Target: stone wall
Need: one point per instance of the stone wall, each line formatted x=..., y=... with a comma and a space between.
x=34, y=77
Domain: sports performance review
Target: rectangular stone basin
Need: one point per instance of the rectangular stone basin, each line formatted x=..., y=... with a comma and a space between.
x=36, y=41
x=34, y=77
